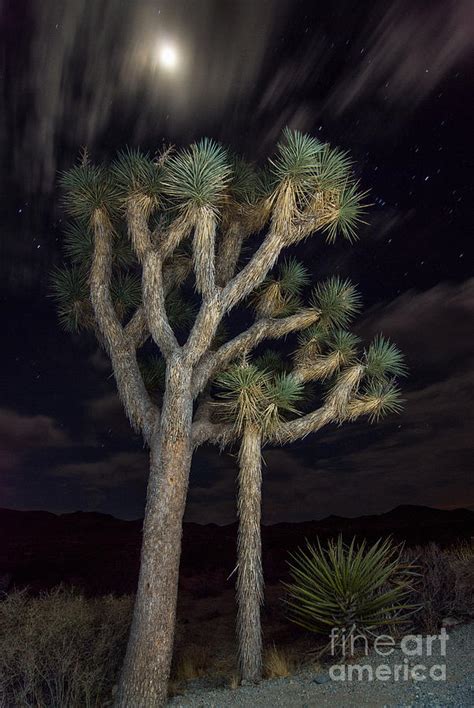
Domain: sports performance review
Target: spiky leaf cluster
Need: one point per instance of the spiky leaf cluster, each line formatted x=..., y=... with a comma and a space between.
x=333, y=169
x=126, y=292
x=321, y=359
x=337, y=300
x=243, y=395
x=355, y=588
x=296, y=161
x=89, y=189
x=251, y=395
x=181, y=312
x=243, y=185
x=69, y=288
x=377, y=399
x=197, y=176
x=153, y=371
x=344, y=209
x=311, y=342
x=384, y=360
x=137, y=176
x=278, y=296
x=271, y=360
x=78, y=245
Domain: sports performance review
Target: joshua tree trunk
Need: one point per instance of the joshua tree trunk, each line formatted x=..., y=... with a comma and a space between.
x=250, y=575
x=143, y=682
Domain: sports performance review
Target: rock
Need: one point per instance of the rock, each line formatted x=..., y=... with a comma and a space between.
x=321, y=678
x=450, y=622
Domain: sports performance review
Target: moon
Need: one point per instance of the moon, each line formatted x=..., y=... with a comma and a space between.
x=167, y=56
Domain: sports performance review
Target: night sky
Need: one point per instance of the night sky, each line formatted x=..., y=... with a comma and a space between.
x=390, y=81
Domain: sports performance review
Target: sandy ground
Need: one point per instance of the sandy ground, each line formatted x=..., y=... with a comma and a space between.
x=309, y=689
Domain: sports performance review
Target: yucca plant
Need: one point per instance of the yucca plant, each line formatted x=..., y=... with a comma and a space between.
x=354, y=587
x=155, y=272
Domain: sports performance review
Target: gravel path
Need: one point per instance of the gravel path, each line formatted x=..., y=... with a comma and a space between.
x=310, y=690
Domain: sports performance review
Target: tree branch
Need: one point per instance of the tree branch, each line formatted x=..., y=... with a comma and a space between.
x=136, y=329
x=342, y=404
x=255, y=271
x=280, y=234
x=337, y=408
x=142, y=413
x=153, y=294
x=138, y=230
x=268, y=328
x=210, y=313
x=204, y=257
x=229, y=251
x=154, y=284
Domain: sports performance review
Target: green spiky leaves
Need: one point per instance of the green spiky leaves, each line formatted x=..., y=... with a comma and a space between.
x=79, y=245
x=293, y=276
x=257, y=397
x=278, y=296
x=197, y=176
x=316, y=335
x=325, y=357
x=243, y=396
x=153, y=371
x=181, y=312
x=345, y=208
x=296, y=160
x=125, y=292
x=348, y=587
x=270, y=360
x=244, y=185
x=69, y=288
x=137, y=176
x=383, y=360
x=333, y=168
x=322, y=184
x=89, y=189
x=337, y=300
x=377, y=400
x=284, y=391
x=345, y=345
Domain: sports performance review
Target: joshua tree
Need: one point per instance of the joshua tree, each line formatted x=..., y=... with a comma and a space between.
x=255, y=397
x=142, y=228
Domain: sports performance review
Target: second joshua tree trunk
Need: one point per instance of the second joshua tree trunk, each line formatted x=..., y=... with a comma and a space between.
x=250, y=575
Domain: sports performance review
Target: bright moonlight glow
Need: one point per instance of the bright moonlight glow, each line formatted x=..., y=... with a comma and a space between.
x=168, y=56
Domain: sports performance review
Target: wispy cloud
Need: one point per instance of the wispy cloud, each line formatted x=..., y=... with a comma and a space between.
x=407, y=54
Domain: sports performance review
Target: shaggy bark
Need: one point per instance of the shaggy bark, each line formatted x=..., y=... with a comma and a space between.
x=146, y=669
x=249, y=551
x=141, y=412
x=229, y=252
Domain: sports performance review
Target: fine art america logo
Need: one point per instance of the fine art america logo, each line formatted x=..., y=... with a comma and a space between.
x=409, y=658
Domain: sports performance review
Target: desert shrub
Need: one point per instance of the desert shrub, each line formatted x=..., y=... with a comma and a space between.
x=278, y=662
x=61, y=649
x=191, y=663
x=358, y=588
x=463, y=550
x=447, y=586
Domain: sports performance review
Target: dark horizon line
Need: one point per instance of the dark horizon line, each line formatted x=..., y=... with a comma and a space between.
x=233, y=523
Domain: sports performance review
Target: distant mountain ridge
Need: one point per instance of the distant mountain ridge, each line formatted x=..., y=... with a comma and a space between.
x=100, y=553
